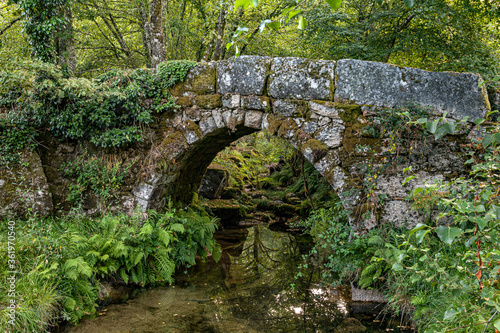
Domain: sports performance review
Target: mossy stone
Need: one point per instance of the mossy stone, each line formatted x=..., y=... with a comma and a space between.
x=200, y=80
x=209, y=101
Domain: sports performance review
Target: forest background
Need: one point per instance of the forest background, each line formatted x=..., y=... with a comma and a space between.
x=89, y=37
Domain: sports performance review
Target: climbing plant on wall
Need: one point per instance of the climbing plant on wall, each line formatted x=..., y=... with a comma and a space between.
x=109, y=111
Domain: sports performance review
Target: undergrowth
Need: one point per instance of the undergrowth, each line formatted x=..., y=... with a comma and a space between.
x=109, y=111
x=61, y=262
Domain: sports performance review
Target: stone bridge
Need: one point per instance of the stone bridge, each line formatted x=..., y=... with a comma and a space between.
x=319, y=106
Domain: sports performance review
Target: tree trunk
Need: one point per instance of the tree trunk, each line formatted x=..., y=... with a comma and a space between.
x=221, y=26
x=146, y=33
x=66, y=56
x=156, y=27
x=180, y=30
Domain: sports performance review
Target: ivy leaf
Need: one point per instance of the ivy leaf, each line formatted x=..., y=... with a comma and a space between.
x=448, y=234
x=335, y=4
x=432, y=126
x=446, y=128
x=302, y=23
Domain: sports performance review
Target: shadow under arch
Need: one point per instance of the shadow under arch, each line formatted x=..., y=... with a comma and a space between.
x=175, y=167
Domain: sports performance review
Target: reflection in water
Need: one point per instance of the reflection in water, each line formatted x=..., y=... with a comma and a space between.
x=252, y=289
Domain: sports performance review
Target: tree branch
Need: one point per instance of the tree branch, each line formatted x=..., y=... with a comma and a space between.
x=11, y=23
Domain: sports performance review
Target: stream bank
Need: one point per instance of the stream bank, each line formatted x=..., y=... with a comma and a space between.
x=253, y=288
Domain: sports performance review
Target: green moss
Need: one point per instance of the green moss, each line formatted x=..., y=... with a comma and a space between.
x=191, y=125
x=286, y=127
x=185, y=101
x=201, y=82
x=274, y=124
x=319, y=149
x=209, y=101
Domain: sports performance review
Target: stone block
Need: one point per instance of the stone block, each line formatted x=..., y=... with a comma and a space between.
x=219, y=121
x=384, y=85
x=324, y=110
x=288, y=108
x=209, y=101
x=231, y=101
x=255, y=102
x=207, y=125
x=331, y=134
x=245, y=75
x=301, y=79
x=200, y=80
x=400, y=214
x=253, y=119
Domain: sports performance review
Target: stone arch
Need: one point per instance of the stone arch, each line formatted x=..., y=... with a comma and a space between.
x=319, y=106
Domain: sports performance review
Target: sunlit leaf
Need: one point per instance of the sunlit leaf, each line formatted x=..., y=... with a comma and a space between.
x=302, y=23
x=335, y=4
x=275, y=25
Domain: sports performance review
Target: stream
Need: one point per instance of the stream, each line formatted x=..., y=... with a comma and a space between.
x=253, y=288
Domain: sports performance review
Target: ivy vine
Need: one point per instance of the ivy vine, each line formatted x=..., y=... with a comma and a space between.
x=109, y=111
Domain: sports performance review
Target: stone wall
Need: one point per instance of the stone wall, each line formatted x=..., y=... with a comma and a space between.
x=319, y=106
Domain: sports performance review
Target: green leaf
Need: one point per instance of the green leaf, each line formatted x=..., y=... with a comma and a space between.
x=408, y=3
x=294, y=13
x=397, y=267
x=432, y=126
x=245, y=3
x=497, y=324
x=479, y=121
x=418, y=190
x=487, y=140
x=448, y=234
x=274, y=25
x=335, y=4
x=408, y=179
x=302, y=23
x=421, y=234
x=418, y=227
x=480, y=221
x=450, y=313
x=497, y=209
